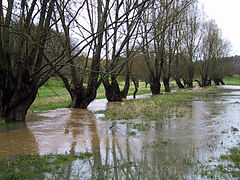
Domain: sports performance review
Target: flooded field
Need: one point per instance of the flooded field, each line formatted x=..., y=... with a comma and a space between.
x=172, y=150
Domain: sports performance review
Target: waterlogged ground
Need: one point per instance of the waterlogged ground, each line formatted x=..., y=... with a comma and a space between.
x=178, y=149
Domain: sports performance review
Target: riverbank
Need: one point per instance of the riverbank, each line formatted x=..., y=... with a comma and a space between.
x=158, y=107
x=53, y=94
x=188, y=146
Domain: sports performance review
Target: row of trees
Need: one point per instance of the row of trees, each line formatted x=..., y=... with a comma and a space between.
x=44, y=38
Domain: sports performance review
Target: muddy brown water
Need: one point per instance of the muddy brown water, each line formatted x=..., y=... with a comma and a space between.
x=163, y=151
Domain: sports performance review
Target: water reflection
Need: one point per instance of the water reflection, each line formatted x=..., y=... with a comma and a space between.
x=164, y=152
x=17, y=140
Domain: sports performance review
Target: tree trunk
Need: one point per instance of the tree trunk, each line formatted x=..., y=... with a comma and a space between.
x=136, y=85
x=155, y=86
x=112, y=90
x=14, y=106
x=206, y=81
x=188, y=82
x=190, y=75
x=199, y=83
x=221, y=81
x=166, y=84
x=218, y=81
x=82, y=97
x=179, y=84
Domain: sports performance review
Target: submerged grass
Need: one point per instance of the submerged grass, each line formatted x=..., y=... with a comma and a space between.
x=54, y=95
x=32, y=167
x=228, y=167
x=156, y=108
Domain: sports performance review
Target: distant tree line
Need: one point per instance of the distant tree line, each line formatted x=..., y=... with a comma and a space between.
x=87, y=43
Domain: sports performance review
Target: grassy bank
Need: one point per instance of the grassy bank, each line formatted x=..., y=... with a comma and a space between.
x=53, y=94
x=156, y=108
x=233, y=80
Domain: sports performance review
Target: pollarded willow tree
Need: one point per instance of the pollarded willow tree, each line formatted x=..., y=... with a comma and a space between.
x=157, y=28
x=212, y=50
x=120, y=44
x=23, y=34
x=173, y=39
x=31, y=52
x=103, y=22
x=191, y=39
x=86, y=21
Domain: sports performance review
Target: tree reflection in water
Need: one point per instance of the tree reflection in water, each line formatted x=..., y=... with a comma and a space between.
x=167, y=151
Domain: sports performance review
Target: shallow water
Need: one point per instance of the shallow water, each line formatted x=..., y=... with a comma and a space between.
x=162, y=152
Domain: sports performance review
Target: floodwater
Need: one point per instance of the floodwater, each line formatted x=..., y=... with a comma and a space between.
x=163, y=152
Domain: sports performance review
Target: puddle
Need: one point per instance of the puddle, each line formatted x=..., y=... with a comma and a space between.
x=163, y=151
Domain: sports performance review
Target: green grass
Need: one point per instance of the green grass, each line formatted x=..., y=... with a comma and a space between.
x=156, y=108
x=228, y=167
x=34, y=167
x=11, y=126
x=54, y=95
x=232, y=80
x=53, y=86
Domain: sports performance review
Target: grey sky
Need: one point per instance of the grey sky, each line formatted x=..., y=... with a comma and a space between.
x=226, y=14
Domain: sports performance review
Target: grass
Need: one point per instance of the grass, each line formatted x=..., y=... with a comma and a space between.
x=232, y=80
x=11, y=126
x=53, y=94
x=156, y=108
x=228, y=167
x=34, y=167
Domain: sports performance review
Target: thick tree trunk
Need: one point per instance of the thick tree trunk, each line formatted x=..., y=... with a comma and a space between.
x=81, y=97
x=221, y=81
x=199, y=83
x=179, y=84
x=155, y=86
x=218, y=81
x=14, y=106
x=205, y=81
x=112, y=90
x=19, y=111
x=113, y=93
x=166, y=84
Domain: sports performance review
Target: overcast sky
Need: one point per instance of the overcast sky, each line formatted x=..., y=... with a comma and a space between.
x=227, y=16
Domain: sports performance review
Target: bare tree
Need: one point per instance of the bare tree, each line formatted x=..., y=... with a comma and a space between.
x=178, y=64
x=124, y=35
x=213, y=49
x=173, y=38
x=192, y=39
x=95, y=18
x=101, y=32
x=23, y=34
x=157, y=43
